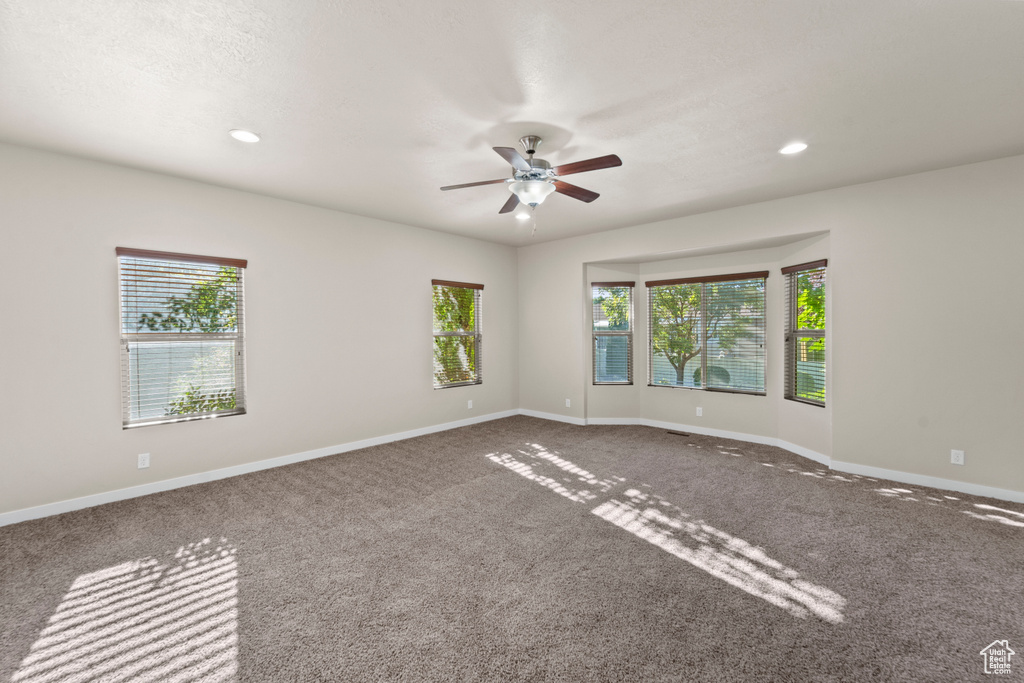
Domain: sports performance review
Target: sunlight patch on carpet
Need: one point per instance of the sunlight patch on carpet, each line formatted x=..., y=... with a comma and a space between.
x=1016, y=520
x=576, y=484
x=174, y=619
x=992, y=513
x=667, y=527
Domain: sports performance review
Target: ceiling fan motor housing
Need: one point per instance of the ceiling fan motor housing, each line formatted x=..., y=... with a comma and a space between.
x=539, y=170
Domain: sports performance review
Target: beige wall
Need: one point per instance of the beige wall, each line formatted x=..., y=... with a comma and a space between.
x=337, y=311
x=924, y=324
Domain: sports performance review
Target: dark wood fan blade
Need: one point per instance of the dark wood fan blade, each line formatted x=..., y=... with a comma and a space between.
x=513, y=157
x=575, y=192
x=482, y=182
x=588, y=165
x=512, y=203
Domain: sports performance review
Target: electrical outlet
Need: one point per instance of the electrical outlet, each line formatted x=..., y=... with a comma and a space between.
x=469, y=404
x=567, y=403
x=700, y=412
x=143, y=460
x=956, y=457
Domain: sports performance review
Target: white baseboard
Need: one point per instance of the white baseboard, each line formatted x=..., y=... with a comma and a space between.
x=721, y=433
x=708, y=431
x=931, y=482
x=63, y=506
x=848, y=467
x=805, y=452
x=552, y=416
x=613, y=420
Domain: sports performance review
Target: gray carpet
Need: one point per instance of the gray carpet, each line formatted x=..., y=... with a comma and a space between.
x=521, y=550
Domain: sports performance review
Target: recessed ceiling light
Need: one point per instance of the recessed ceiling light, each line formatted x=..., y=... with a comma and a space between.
x=523, y=216
x=244, y=135
x=793, y=148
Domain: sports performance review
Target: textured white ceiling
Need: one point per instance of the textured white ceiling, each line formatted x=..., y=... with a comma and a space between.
x=369, y=107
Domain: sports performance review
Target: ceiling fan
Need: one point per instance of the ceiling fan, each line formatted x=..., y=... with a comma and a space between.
x=534, y=179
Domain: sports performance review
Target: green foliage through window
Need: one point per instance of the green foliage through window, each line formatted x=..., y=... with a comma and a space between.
x=717, y=324
x=456, y=335
x=805, y=334
x=612, y=338
x=810, y=300
x=195, y=401
x=611, y=308
x=209, y=306
x=676, y=333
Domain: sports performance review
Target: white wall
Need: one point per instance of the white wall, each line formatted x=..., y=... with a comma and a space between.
x=338, y=322
x=924, y=325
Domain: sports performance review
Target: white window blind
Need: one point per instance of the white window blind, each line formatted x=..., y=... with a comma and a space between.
x=182, y=337
x=805, y=332
x=613, y=332
x=708, y=332
x=458, y=342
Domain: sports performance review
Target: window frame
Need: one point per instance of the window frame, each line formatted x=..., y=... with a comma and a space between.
x=628, y=334
x=703, y=281
x=127, y=339
x=476, y=333
x=793, y=333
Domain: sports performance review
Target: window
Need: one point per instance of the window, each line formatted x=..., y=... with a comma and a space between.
x=182, y=338
x=613, y=332
x=457, y=338
x=708, y=332
x=805, y=332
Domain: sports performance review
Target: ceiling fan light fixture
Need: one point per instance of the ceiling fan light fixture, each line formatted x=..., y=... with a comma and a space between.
x=532, y=192
x=243, y=135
